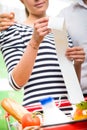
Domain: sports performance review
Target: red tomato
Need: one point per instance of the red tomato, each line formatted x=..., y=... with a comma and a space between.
x=78, y=111
x=30, y=120
x=78, y=115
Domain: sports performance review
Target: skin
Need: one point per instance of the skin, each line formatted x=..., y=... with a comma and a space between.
x=8, y=19
x=85, y=1
x=39, y=21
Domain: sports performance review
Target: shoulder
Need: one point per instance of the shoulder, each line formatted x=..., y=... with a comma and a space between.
x=16, y=28
x=67, y=10
x=20, y=27
x=17, y=33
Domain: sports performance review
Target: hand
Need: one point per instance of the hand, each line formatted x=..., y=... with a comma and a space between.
x=76, y=53
x=6, y=20
x=40, y=30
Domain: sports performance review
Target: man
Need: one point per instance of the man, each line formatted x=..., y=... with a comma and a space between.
x=76, y=23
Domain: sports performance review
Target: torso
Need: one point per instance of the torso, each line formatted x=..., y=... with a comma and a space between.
x=76, y=24
x=46, y=78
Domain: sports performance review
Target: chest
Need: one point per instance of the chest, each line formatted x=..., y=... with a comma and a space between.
x=76, y=23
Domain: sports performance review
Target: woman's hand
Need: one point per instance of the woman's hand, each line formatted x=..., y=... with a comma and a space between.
x=77, y=54
x=6, y=20
x=40, y=30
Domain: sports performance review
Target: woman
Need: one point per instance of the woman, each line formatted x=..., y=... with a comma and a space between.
x=30, y=56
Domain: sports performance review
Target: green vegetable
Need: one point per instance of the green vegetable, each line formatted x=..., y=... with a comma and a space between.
x=82, y=105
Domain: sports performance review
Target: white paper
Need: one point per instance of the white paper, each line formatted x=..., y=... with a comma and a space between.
x=67, y=68
x=56, y=23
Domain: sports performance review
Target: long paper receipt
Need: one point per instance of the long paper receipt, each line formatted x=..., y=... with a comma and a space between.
x=67, y=67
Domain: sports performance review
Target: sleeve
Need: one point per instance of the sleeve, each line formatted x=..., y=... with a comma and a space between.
x=12, y=50
x=70, y=41
x=13, y=83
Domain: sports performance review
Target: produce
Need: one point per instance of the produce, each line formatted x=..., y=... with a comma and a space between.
x=14, y=109
x=81, y=111
x=82, y=105
x=30, y=119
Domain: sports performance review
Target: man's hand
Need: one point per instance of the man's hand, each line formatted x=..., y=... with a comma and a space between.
x=76, y=53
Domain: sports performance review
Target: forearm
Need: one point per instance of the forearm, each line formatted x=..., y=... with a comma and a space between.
x=23, y=69
x=78, y=71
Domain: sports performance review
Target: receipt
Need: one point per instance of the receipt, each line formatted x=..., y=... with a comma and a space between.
x=56, y=23
x=58, y=27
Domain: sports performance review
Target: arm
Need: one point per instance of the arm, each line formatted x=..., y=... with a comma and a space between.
x=78, y=71
x=20, y=65
x=6, y=20
x=27, y=60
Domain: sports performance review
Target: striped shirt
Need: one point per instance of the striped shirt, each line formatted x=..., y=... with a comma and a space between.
x=46, y=78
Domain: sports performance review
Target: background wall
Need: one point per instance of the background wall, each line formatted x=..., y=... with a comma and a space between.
x=55, y=6
x=16, y=6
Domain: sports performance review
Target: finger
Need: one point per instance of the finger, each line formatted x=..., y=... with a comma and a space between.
x=44, y=19
x=4, y=28
x=79, y=61
x=2, y=24
x=4, y=20
x=4, y=15
x=79, y=57
x=75, y=52
x=12, y=15
x=5, y=25
x=40, y=25
x=7, y=15
x=75, y=49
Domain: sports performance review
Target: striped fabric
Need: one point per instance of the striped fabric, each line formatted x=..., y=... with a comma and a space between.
x=46, y=78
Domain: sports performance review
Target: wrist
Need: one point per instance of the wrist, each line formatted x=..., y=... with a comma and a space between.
x=34, y=44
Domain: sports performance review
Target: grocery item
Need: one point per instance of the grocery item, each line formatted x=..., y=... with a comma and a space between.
x=80, y=111
x=51, y=113
x=14, y=109
x=30, y=120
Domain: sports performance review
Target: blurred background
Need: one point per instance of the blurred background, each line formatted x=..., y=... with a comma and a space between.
x=16, y=6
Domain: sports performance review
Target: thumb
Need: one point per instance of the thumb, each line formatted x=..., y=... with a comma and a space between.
x=12, y=15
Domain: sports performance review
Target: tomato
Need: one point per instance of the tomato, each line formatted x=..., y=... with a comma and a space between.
x=78, y=115
x=30, y=119
x=78, y=111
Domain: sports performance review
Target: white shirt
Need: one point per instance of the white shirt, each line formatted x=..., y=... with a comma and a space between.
x=76, y=23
